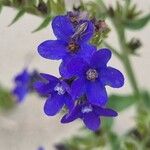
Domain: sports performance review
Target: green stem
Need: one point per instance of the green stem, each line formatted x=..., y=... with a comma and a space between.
x=126, y=59
x=113, y=50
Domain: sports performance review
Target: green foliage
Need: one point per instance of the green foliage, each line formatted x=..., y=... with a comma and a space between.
x=127, y=15
x=122, y=102
x=133, y=45
x=146, y=98
x=90, y=141
x=47, y=10
x=18, y=16
x=6, y=99
x=107, y=123
x=130, y=144
x=99, y=37
x=44, y=24
x=137, y=24
x=114, y=141
x=57, y=7
x=96, y=9
x=1, y=6
x=139, y=137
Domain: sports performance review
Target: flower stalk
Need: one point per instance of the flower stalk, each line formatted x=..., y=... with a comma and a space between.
x=126, y=59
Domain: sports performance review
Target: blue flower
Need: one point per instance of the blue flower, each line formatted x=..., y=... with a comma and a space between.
x=93, y=76
x=22, y=81
x=71, y=41
x=58, y=92
x=40, y=148
x=90, y=114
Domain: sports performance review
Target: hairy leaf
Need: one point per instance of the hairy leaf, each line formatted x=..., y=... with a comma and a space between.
x=44, y=24
x=120, y=103
x=57, y=7
x=18, y=16
x=6, y=99
x=48, y=6
x=1, y=6
x=138, y=23
x=107, y=123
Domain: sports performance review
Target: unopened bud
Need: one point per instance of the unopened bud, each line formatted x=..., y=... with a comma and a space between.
x=42, y=7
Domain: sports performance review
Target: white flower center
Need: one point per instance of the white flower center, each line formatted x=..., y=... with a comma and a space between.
x=91, y=74
x=87, y=109
x=59, y=89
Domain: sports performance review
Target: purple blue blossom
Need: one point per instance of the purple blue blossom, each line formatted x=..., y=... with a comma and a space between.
x=84, y=72
x=93, y=76
x=89, y=114
x=24, y=84
x=40, y=148
x=71, y=41
x=21, y=88
x=58, y=94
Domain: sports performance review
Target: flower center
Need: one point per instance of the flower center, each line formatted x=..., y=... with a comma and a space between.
x=91, y=74
x=87, y=109
x=59, y=89
x=74, y=18
x=73, y=47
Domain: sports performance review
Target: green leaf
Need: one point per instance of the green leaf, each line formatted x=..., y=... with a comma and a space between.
x=30, y=9
x=6, y=99
x=146, y=98
x=44, y=24
x=18, y=16
x=57, y=7
x=138, y=23
x=1, y=6
x=114, y=141
x=96, y=10
x=49, y=6
x=120, y=103
x=32, y=2
x=107, y=123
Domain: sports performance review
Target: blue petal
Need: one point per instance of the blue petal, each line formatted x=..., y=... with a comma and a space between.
x=92, y=121
x=52, y=49
x=101, y=58
x=107, y=112
x=86, y=51
x=40, y=148
x=73, y=115
x=53, y=105
x=20, y=92
x=87, y=35
x=43, y=88
x=96, y=93
x=63, y=68
x=78, y=88
x=49, y=77
x=23, y=77
x=77, y=66
x=69, y=102
x=62, y=28
x=112, y=77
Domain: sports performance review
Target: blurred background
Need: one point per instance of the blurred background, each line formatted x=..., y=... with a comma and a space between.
x=26, y=127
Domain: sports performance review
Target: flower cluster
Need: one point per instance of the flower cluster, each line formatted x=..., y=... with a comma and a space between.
x=24, y=84
x=84, y=72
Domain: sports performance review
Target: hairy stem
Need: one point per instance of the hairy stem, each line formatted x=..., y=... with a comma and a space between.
x=126, y=59
x=113, y=50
